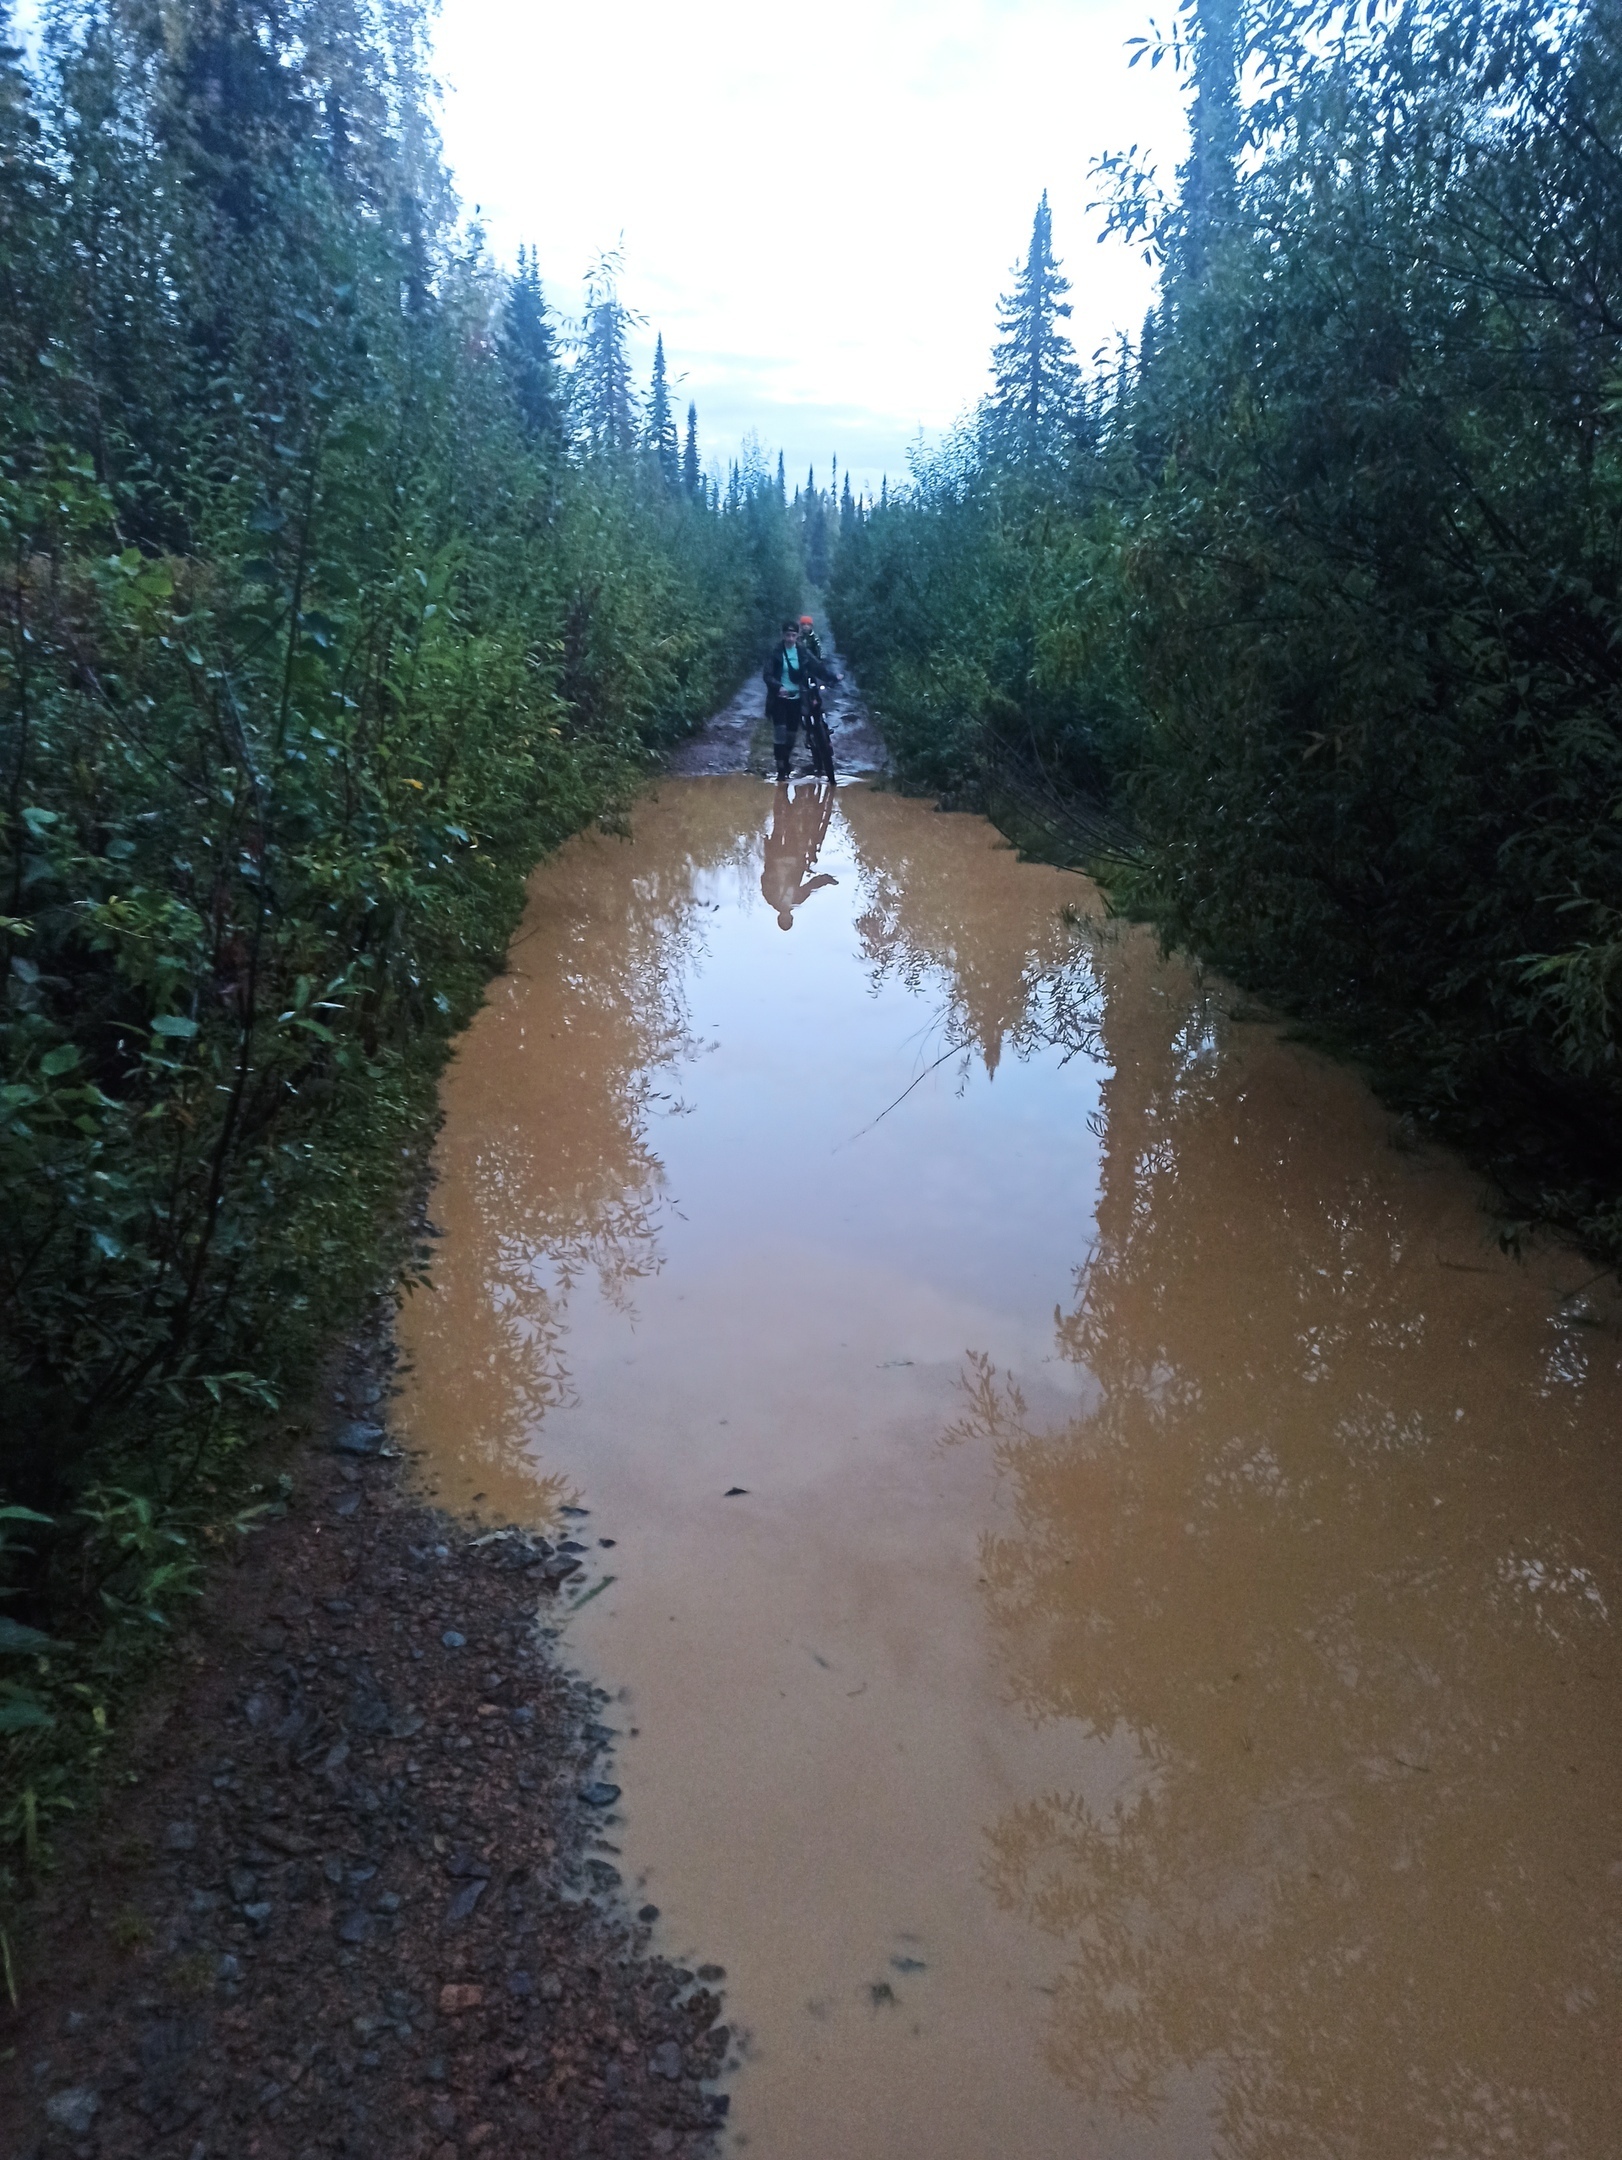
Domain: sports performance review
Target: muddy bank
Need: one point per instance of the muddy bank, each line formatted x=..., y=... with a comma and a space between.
x=354, y=1888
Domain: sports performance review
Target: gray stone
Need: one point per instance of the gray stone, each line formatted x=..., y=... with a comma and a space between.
x=355, y=1927
x=598, y=1794
x=453, y=1640
x=180, y=1837
x=359, y=1437
x=461, y=1906
x=665, y=2061
x=74, y=2110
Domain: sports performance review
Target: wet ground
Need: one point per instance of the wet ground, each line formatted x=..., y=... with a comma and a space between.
x=1116, y=1573
x=738, y=738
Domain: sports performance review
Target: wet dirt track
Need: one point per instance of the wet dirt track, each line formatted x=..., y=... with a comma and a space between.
x=1115, y=1574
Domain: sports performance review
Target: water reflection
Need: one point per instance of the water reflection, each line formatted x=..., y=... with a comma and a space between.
x=801, y=817
x=1333, y=1544
x=1222, y=1718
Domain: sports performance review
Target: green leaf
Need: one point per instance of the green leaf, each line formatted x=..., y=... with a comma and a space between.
x=23, y=1714
x=60, y=1060
x=176, y=1025
x=16, y=1640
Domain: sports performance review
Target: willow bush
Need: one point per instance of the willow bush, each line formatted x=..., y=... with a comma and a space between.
x=323, y=620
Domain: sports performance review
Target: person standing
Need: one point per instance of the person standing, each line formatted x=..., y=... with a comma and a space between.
x=788, y=674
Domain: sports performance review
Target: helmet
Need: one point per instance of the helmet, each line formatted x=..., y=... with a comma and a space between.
x=805, y=622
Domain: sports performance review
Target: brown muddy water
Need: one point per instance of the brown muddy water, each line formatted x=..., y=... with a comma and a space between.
x=1156, y=1692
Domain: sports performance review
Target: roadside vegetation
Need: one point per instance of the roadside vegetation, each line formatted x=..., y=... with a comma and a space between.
x=1314, y=585
x=340, y=582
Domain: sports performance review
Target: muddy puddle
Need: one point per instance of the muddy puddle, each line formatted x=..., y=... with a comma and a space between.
x=1114, y=1574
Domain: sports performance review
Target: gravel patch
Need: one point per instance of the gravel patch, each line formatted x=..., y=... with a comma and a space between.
x=352, y=1889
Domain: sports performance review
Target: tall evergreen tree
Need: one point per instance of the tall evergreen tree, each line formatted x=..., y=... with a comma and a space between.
x=528, y=352
x=782, y=481
x=604, y=399
x=1033, y=365
x=691, y=478
x=661, y=436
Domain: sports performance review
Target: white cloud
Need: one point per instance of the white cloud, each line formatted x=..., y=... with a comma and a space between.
x=819, y=206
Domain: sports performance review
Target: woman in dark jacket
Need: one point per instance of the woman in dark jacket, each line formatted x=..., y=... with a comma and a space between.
x=789, y=674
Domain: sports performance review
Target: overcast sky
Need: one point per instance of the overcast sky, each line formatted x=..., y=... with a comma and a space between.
x=819, y=204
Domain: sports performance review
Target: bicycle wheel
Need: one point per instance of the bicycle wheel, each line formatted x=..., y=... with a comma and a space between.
x=822, y=747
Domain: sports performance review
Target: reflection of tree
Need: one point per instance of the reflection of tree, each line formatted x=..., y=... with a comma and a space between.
x=941, y=910
x=1351, y=1887
x=546, y=1176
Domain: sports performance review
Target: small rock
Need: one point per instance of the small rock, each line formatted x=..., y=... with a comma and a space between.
x=453, y=1640
x=389, y=1902
x=74, y=2110
x=348, y=1502
x=456, y=1996
x=359, y=1437
x=355, y=1927
x=180, y=1837
x=76, y=2021
x=712, y=1973
x=480, y=2134
x=228, y=1969
x=597, y=1794
x=461, y=1906
x=434, y=2069
x=243, y=1884
x=665, y=2061
x=551, y=1987
x=519, y=1984
x=648, y=1914
x=442, y=2114
x=258, y=1915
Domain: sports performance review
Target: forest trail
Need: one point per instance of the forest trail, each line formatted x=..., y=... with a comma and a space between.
x=738, y=739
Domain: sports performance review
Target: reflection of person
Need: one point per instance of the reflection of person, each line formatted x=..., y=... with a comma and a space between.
x=799, y=827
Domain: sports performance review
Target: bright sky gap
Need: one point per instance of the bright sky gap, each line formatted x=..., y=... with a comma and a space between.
x=818, y=209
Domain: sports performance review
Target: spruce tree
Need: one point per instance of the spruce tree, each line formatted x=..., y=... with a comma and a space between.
x=661, y=436
x=527, y=351
x=691, y=479
x=782, y=481
x=1033, y=367
x=602, y=376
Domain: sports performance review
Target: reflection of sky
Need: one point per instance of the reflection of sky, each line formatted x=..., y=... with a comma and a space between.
x=986, y=1187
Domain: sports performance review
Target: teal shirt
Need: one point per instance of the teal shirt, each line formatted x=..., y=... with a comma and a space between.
x=791, y=672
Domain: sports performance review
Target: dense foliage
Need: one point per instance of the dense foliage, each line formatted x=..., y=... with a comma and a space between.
x=1321, y=583
x=332, y=596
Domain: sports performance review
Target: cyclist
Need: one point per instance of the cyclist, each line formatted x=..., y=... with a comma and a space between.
x=818, y=739
x=789, y=674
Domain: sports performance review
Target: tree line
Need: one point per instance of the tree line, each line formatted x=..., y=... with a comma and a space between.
x=1315, y=580
x=340, y=580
